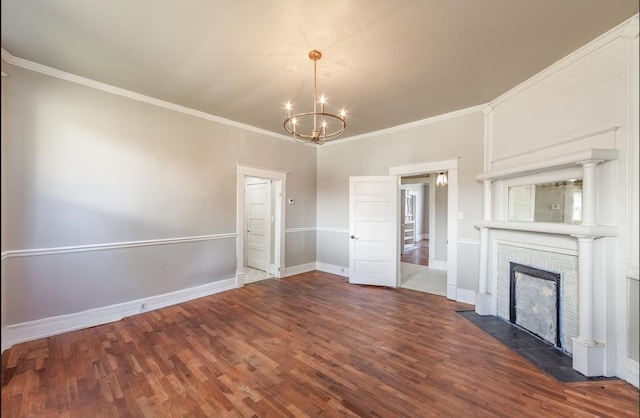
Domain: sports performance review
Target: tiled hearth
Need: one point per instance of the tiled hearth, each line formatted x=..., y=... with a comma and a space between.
x=547, y=358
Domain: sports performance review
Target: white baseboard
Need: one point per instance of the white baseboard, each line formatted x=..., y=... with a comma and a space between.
x=466, y=296
x=631, y=374
x=41, y=328
x=333, y=269
x=302, y=268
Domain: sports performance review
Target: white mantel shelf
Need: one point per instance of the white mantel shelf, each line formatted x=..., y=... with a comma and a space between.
x=562, y=161
x=594, y=231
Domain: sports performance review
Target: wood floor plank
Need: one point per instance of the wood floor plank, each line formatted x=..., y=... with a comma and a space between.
x=308, y=345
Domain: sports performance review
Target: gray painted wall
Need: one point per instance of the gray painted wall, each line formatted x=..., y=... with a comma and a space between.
x=84, y=167
x=444, y=139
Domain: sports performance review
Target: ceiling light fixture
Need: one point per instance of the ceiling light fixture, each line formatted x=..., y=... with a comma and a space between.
x=317, y=126
x=441, y=180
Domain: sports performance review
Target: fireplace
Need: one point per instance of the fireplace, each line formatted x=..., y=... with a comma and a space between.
x=539, y=260
x=534, y=302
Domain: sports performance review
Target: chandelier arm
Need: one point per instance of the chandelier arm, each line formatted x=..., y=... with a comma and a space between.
x=290, y=127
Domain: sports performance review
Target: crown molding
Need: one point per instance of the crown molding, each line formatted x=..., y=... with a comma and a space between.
x=53, y=72
x=398, y=128
x=627, y=29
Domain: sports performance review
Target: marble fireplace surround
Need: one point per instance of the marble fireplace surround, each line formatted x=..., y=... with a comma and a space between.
x=588, y=354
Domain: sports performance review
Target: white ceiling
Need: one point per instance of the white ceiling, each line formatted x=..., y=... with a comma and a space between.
x=388, y=62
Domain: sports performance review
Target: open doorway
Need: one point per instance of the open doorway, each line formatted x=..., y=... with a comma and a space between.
x=423, y=207
x=260, y=224
x=442, y=226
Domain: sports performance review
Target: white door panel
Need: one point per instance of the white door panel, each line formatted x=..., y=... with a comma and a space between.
x=258, y=201
x=373, y=218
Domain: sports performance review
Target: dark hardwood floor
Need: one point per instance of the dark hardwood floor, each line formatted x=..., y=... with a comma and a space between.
x=308, y=345
x=419, y=255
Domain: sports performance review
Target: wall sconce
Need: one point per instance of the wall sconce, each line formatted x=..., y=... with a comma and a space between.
x=441, y=180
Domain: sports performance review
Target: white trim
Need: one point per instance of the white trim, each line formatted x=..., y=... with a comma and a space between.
x=280, y=178
x=552, y=148
x=41, y=328
x=466, y=296
x=469, y=241
x=431, y=181
x=595, y=231
x=332, y=269
x=427, y=121
x=111, y=246
x=632, y=271
x=53, y=72
x=631, y=374
x=303, y=229
x=520, y=244
x=263, y=173
x=621, y=30
x=302, y=268
x=425, y=167
x=557, y=163
x=327, y=229
x=451, y=166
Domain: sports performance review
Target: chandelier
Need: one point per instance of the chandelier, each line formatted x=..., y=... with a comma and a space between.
x=317, y=126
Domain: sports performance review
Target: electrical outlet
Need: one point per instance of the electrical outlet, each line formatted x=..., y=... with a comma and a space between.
x=143, y=306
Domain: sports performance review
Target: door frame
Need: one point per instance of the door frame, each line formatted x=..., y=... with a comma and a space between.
x=279, y=179
x=451, y=166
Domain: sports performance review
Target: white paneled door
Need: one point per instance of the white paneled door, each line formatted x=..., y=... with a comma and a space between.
x=374, y=206
x=258, y=209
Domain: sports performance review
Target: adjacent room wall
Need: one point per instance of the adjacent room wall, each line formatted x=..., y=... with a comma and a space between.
x=108, y=200
x=453, y=136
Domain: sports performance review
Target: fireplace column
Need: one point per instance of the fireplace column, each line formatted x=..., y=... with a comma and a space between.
x=588, y=355
x=484, y=301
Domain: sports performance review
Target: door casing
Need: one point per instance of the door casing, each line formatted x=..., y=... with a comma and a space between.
x=279, y=179
x=451, y=166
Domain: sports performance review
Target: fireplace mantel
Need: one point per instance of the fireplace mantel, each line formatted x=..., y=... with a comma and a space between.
x=588, y=354
x=594, y=231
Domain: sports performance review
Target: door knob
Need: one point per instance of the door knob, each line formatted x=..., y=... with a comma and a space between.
x=353, y=237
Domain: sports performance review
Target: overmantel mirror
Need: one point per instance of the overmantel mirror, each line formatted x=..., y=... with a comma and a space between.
x=556, y=201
